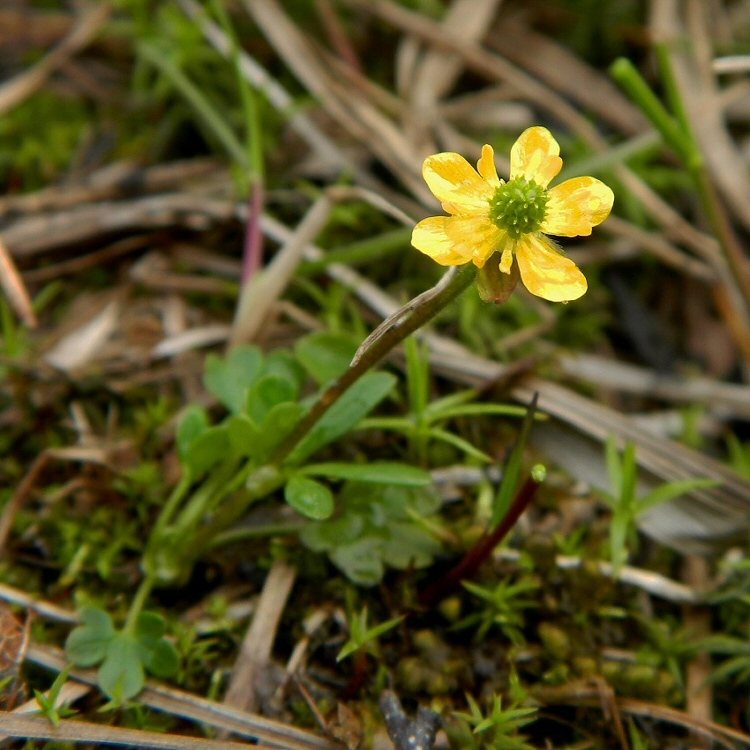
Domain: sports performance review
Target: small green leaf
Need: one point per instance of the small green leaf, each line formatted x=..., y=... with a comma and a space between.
x=243, y=434
x=269, y=391
x=149, y=627
x=308, y=497
x=673, y=490
x=325, y=355
x=87, y=644
x=207, y=450
x=614, y=466
x=327, y=535
x=378, y=472
x=409, y=546
x=229, y=379
x=121, y=675
x=194, y=422
x=276, y=427
x=162, y=659
x=281, y=363
x=345, y=414
x=361, y=561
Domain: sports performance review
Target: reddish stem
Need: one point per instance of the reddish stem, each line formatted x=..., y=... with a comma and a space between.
x=476, y=556
x=253, y=251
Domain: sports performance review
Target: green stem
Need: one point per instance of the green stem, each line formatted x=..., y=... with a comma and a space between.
x=626, y=74
x=722, y=230
x=260, y=483
x=170, y=507
x=247, y=533
x=422, y=311
x=139, y=601
x=200, y=103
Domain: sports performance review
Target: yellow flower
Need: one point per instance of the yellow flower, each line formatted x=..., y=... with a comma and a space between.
x=512, y=219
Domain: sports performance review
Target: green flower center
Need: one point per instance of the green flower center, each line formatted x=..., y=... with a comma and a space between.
x=519, y=207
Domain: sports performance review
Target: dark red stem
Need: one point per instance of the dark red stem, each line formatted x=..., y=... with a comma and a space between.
x=481, y=551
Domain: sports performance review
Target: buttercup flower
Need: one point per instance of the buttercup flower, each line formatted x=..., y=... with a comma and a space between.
x=496, y=221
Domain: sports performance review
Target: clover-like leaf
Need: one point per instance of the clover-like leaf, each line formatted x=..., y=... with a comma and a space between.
x=229, y=378
x=207, y=450
x=87, y=644
x=194, y=422
x=362, y=561
x=149, y=627
x=162, y=659
x=276, y=427
x=409, y=546
x=282, y=363
x=243, y=434
x=269, y=391
x=121, y=675
x=327, y=535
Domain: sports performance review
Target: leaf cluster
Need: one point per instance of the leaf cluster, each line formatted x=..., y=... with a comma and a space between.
x=124, y=655
x=378, y=526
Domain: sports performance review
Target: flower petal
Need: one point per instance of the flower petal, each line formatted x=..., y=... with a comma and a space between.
x=429, y=237
x=475, y=238
x=486, y=166
x=577, y=205
x=456, y=184
x=547, y=273
x=535, y=156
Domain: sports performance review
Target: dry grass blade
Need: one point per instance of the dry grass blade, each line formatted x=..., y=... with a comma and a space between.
x=116, y=180
x=79, y=347
x=264, y=289
x=14, y=288
x=566, y=73
x=255, y=654
x=325, y=148
x=685, y=35
x=32, y=728
x=622, y=376
x=43, y=609
x=588, y=694
x=346, y=105
x=14, y=640
x=21, y=87
x=438, y=72
x=19, y=498
x=661, y=248
x=40, y=233
x=700, y=522
x=197, y=709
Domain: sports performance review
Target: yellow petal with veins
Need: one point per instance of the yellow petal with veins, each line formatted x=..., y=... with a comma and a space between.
x=577, y=205
x=535, y=156
x=547, y=273
x=486, y=166
x=474, y=237
x=456, y=184
x=429, y=236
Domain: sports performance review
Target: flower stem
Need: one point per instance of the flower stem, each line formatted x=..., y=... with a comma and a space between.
x=139, y=601
x=417, y=313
